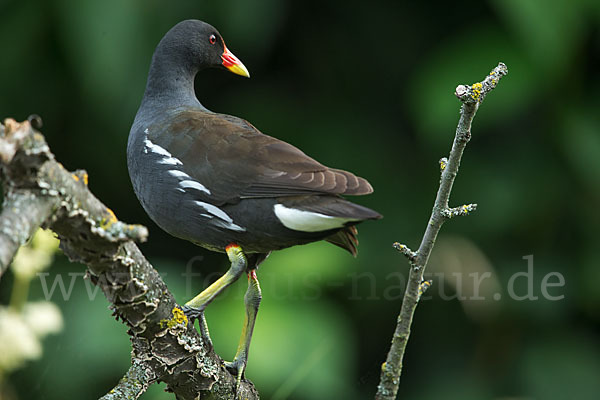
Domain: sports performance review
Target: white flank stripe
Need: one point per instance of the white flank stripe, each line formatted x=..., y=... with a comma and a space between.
x=156, y=149
x=308, y=221
x=187, y=182
x=178, y=174
x=227, y=222
x=170, y=161
x=190, y=184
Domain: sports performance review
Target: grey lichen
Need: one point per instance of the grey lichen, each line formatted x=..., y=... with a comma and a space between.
x=463, y=210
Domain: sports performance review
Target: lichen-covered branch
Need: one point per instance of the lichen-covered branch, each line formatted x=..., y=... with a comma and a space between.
x=22, y=214
x=40, y=191
x=132, y=385
x=470, y=96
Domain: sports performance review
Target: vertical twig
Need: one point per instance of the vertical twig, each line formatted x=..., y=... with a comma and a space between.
x=471, y=96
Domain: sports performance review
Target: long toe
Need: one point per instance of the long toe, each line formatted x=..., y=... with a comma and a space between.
x=237, y=368
x=204, y=331
x=193, y=313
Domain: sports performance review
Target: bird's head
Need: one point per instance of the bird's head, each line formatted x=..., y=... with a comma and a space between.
x=198, y=45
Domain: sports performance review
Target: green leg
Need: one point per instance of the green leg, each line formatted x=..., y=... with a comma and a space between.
x=194, y=309
x=252, y=301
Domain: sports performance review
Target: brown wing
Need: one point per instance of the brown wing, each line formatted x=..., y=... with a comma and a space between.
x=235, y=160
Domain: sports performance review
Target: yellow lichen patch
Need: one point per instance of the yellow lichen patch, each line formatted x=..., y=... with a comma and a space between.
x=112, y=218
x=477, y=90
x=423, y=287
x=83, y=177
x=179, y=318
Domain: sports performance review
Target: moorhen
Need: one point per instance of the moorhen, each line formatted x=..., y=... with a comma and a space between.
x=217, y=181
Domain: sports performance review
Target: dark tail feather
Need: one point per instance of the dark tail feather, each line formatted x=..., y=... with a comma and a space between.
x=346, y=239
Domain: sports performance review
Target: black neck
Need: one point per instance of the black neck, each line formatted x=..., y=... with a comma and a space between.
x=170, y=81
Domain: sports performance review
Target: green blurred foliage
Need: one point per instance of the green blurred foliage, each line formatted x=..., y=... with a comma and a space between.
x=365, y=86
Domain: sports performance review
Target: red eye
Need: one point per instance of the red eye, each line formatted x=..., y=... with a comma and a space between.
x=212, y=39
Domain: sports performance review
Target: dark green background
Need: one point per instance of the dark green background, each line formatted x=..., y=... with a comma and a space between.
x=368, y=87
